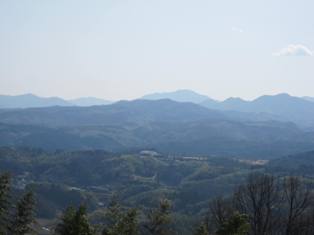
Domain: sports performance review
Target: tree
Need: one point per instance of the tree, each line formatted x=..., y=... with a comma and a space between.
x=258, y=199
x=24, y=215
x=119, y=221
x=4, y=201
x=125, y=224
x=298, y=200
x=220, y=210
x=66, y=224
x=74, y=222
x=158, y=220
x=237, y=225
x=202, y=230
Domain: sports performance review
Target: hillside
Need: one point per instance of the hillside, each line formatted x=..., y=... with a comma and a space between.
x=168, y=126
x=29, y=100
x=120, y=113
x=91, y=176
x=33, y=101
x=279, y=107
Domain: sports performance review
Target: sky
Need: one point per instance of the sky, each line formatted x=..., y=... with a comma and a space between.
x=123, y=49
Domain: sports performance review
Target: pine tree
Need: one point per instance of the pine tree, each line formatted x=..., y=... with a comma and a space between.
x=237, y=225
x=74, y=222
x=119, y=222
x=158, y=220
x=24, y=215
x=66, y=225
x=202, y=230
x=4, y=201
x=82, y=226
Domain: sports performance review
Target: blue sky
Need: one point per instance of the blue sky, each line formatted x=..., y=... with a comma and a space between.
x=122, y=49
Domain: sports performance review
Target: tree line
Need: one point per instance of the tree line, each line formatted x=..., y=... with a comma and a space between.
x=15, y=218
x=263, y=205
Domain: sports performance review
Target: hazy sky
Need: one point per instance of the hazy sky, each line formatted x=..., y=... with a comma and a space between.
x=122, y=49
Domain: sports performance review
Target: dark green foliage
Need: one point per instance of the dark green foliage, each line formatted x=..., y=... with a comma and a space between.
x=74, y=222
x=119, y=222
x=66, y=224
x=24, y=215
x=202, y=229
x=65, y=178
x=159, y=219
x=237, y=225
x=4, y=201
x=125, y=224
x=89, y=177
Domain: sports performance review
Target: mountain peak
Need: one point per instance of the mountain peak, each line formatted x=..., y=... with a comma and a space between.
x=280, y=95
x=182, y=95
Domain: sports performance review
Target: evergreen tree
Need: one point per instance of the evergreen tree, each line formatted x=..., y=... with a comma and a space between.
x=74, y=222
x=67, y=222
x=237, y=225
x=24, y=215
x=202, y=230
x=119, y=222
x=158, y=220
x=4, y=203
x=129, y=223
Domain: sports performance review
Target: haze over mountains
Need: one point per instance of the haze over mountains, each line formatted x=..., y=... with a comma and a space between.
x=166, y=125
x=281, y=107
x=182, y=122
x=33, y=101
x=179, y=96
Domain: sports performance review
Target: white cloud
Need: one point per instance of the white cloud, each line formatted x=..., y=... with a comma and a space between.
x=294, y=50
x=236, y=29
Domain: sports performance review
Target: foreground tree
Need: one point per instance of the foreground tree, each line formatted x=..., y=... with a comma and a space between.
x=126, y=224
x=202, y=229
x=259, y=200
x=159, y=220
x=24, y=215
x=4, y=201
x=237, y=224
x=298, y=199
x=74, y=222
x=220, y=211
x=119, y=221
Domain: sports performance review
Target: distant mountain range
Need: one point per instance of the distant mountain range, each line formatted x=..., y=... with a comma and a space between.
x=33, y=101
x=29, y=100
x=308, y=98
x=165, y=125
x=119, y=113
x=179, y=96
x=281, y=107
x=186, y=95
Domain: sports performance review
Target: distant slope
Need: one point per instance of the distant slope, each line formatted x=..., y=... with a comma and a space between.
x=168, y=126
x=120, y=113
x=29, y=100
x=89, y=101
x=33, y=101
x=308, y=98
x=179, y=96
x=301, y=164
x=282, y=106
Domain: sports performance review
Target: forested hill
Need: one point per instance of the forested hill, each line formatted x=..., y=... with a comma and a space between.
x=140, y=180
x=168, y=126
x=120, y=113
